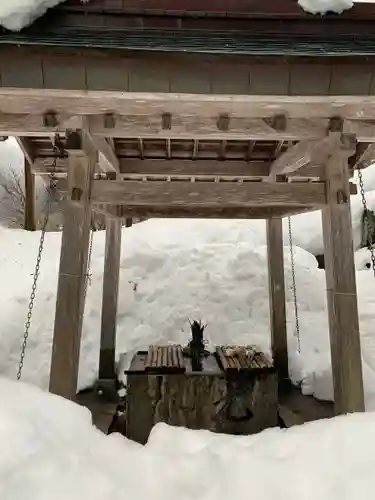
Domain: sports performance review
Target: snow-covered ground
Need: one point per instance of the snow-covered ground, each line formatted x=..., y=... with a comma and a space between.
x=50, y=451
x=172, y=271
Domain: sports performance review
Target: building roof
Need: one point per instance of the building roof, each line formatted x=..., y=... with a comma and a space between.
x=259, y=27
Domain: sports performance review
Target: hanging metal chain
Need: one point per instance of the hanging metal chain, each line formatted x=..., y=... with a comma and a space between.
x=59, y=153
x=367, y=221
x=297, y=334
x=88, y=268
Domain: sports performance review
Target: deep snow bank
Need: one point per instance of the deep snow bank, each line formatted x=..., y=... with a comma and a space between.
x=50, y=451
x=171, y=271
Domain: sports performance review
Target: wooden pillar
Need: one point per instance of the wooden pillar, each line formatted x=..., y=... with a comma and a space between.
x=279, y=341
x=110, y=298
x=341, y=289
x=29, y=215
x=73, y=268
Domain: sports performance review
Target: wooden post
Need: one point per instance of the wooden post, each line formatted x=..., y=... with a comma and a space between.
x=110, y=298
x=276, y=281
x=73, y=268
x=30, y=224
x=341, y=289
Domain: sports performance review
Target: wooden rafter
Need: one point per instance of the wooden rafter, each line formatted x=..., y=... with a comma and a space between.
x=106, y=150
x=148, y=212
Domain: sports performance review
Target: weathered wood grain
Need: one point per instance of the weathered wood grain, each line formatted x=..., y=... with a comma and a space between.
x=72, y=274
x=29, y=215
x=208, y=194
x=107, y=359
x=341, y=290
x=276, y=287
x=197, y=212
x=191, y=126
x=39, y=101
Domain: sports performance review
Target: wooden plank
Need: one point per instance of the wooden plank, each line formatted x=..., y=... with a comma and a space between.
x=341, y=290
x=311, y=152
x=149, y=212
x=276, y=281
x=209, y=168
x=30, y=217
x=101, y=144
x=73, y=266
x=208, y=194
x=107, y=360
x=184, y=127
x=366, y=159
x=135, y=168
x=39, y=101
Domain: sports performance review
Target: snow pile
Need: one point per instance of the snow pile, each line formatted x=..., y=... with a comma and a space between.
x=324, y=6
x=307, y=228
x=172, y=271
x=50, y=451
x=16, y=14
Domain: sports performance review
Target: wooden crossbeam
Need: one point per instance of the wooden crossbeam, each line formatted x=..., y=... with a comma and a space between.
x=149, y=212
x=138, y=168
x=191, y=126
x=208, y=194
x=36, y=101
x=366, y=158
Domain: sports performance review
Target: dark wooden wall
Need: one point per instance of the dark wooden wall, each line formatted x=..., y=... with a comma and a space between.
x=155, y=72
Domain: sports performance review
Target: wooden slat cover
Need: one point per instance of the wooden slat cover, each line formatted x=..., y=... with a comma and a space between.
x=165, y=359
x=243, y=359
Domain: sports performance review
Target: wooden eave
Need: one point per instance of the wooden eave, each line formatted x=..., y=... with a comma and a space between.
x=207, y=107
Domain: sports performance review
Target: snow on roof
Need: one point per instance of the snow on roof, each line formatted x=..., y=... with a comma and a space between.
x=16, y=14
x=323, y=6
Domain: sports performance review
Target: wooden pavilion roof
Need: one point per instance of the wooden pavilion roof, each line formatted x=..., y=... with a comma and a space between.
x=250, y=80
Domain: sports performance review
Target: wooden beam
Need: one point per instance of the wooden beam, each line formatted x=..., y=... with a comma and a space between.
x=208, y=194
x=195, y=126
x=366, y=159
x=101, y=144
x=209, y=168
x=36, y=101
x=312, y=152
x=279, y=340
x=110, y=298
x=133, y=168
x=72, y=274
x=30, y=218
x=341, y=290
